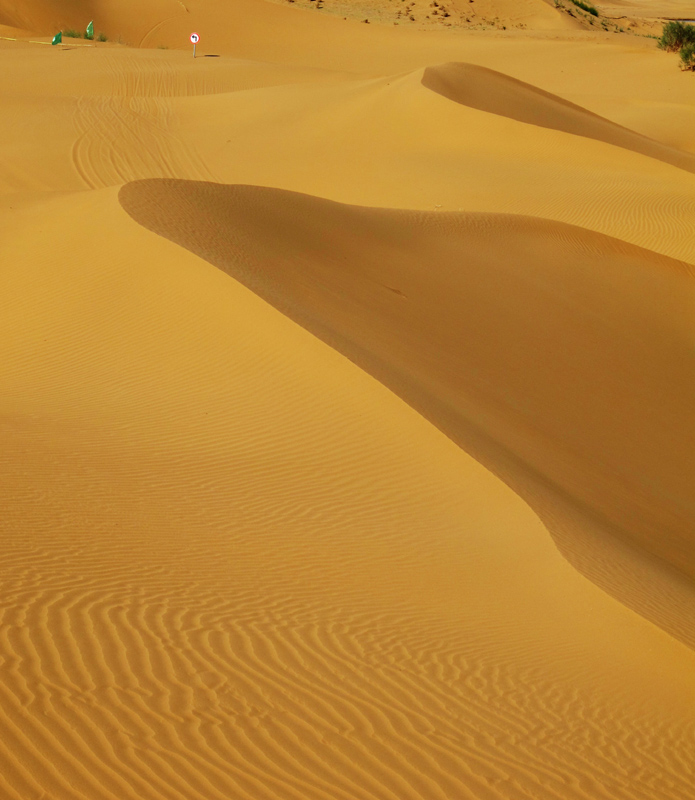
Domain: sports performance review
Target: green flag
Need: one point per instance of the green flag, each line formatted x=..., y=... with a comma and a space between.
x=90, y=31
x=58, y=38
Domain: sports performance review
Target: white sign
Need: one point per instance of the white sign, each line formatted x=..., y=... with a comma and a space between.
x=195, y=38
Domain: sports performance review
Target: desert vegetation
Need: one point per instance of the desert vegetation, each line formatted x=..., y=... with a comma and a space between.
x=71, y=33
x=586, y=7
x=687, y=54
x=679, y=37
x=676, y=35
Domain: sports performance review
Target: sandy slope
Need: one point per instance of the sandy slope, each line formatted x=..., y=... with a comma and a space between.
x=661, y=9
x=236, y=564
x=498, y=94
x=581, y=375
x=245, y=22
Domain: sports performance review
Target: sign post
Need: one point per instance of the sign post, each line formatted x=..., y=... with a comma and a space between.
x=195, y=39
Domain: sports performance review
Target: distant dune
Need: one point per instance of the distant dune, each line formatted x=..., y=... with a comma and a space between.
x=346, y=385
x=490, y=91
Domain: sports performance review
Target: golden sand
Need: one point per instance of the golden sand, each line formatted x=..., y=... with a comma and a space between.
x=346, y=388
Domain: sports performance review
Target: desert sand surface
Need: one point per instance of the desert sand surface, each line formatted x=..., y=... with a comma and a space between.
x=346, y=388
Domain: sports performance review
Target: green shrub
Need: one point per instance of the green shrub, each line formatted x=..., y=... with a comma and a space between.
x=102, y=38
x=586, y=7
x=687, y=55
x=72, y=34
x=675, y=34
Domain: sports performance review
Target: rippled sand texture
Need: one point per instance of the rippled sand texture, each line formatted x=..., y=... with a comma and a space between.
x=345, y=402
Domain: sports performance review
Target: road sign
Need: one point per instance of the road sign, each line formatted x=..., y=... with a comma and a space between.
x=195, y=38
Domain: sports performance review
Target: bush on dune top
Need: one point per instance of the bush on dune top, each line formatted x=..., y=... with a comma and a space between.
x=586, y=7
x=675, y=35
x=687, y=55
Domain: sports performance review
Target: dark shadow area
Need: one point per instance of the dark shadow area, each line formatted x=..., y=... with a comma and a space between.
x=496, y=93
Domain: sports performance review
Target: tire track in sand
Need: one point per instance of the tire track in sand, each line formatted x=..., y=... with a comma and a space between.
x=132, y=132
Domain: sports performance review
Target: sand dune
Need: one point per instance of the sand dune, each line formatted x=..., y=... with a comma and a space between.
x=662, y=9
x=121, y=115
x=261, y=23
x=255, y=572
x=480, y=341
x=346, y=430
x=120, y=19
x=498, y=94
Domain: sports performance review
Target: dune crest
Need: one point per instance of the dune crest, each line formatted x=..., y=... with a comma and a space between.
x=487, y=90
x=548, y=345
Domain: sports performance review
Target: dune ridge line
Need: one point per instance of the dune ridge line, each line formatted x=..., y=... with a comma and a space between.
x=528, y=337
